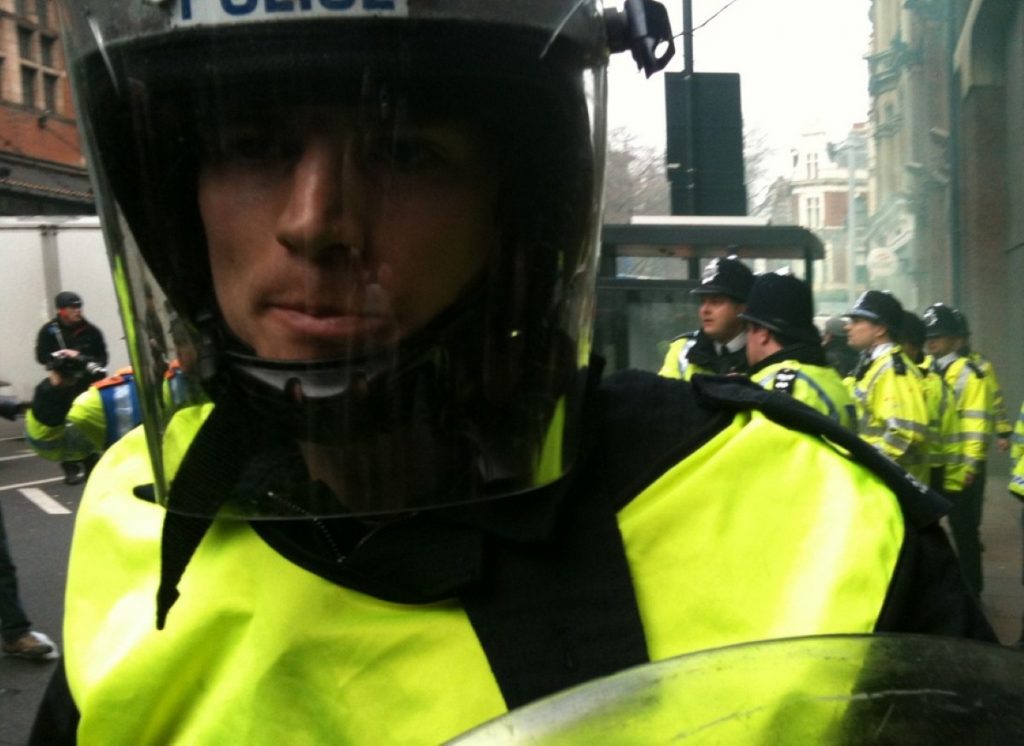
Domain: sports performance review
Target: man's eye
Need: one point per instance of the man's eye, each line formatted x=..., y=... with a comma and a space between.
x=405, y=153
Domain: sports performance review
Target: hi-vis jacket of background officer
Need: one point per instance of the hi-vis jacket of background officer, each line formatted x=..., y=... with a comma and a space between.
x=61, y=429
x=973, y=397
x=817, y=386
x=425, y=626
x=891, y=411
x=696, y=353
x=1017, y=457
x=1001, y=426
x=945, y=449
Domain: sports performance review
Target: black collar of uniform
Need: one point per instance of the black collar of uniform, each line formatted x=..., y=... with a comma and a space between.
x=413, y=558
x=808, y=354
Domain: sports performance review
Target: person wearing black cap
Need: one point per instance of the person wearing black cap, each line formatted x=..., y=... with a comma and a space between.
x=973, y=397
x=75, y=354
x=891, y=412
x=718, y=347
x=784, y=348
x=69, y=334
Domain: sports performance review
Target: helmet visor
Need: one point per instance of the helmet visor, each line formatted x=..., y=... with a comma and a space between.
x=375, y=238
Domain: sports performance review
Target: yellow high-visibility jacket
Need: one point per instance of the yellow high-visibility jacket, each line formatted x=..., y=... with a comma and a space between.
x=973, y=397
x=756, y=532
x=1017, y=457
x=694, y=354
x=819, y=387
x=891, y=411
x=945, y=449
x=1001, y=426
x=98, y=417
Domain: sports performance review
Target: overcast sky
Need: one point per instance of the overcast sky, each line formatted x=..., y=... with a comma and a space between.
x=801, y=63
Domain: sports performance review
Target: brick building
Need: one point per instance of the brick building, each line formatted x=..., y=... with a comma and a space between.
x=825, y=180
x=42, y=170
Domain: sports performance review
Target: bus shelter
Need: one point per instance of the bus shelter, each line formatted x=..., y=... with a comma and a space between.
x=649, y=266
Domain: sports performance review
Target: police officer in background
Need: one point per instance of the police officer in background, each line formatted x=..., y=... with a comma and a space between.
x=945, y=448
x=1002, y=430
x=63, y=426
x=839, y=354
x=718, y=346
x=886, y=385
x=973, y=397
x=411, y=503
x=784, y=347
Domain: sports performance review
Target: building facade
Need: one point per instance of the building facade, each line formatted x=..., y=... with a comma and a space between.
x=826, y=190
x=948, y=163
x=42, y=171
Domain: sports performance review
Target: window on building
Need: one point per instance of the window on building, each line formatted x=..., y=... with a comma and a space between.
x=28, y=85
x=50, y=92
x=25, y=43
x=812, y=165
x=813, y=212
x=47, y=45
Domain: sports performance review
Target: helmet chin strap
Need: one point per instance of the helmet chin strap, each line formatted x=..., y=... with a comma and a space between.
x=364, y=391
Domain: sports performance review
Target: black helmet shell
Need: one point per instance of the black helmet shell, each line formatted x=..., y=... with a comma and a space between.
x=941, y=321
x=726, y=276
x=784, y=304
x=879, y=306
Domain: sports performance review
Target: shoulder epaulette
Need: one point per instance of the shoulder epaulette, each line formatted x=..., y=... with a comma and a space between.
x=975, y=367
x=898, y=365
x=784, y=380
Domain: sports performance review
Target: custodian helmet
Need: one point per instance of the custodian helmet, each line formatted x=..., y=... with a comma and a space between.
x=726, y=276
x=784, y=304
x=941, y=321
x=881, y=307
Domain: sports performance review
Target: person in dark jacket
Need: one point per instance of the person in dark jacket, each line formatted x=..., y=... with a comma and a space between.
x=74, y=348
x=69, y=334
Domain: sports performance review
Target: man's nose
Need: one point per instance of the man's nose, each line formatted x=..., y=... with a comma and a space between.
x=321, y=215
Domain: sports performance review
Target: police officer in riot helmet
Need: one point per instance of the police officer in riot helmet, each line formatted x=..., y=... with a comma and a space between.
x=410, y=502
x=718, y=346
x=784, y=347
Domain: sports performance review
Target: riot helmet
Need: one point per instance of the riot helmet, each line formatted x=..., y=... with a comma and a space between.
x=880, y=307
x=726, y=276
x=378, y=221
x=783, y=303
x=940, y=321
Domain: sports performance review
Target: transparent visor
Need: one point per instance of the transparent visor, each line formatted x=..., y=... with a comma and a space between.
x=356, y=268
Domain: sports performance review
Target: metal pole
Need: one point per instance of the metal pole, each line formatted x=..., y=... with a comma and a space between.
x=851, y=220
x=687, y=36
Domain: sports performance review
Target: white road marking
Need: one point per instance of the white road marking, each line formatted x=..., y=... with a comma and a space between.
x=6, y=487
x=43, y=501
x=26, y=454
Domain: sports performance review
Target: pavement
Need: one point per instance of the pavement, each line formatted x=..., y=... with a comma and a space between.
x=1002, y=597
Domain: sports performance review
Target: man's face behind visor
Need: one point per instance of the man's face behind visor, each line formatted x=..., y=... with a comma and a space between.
x=334, y=231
